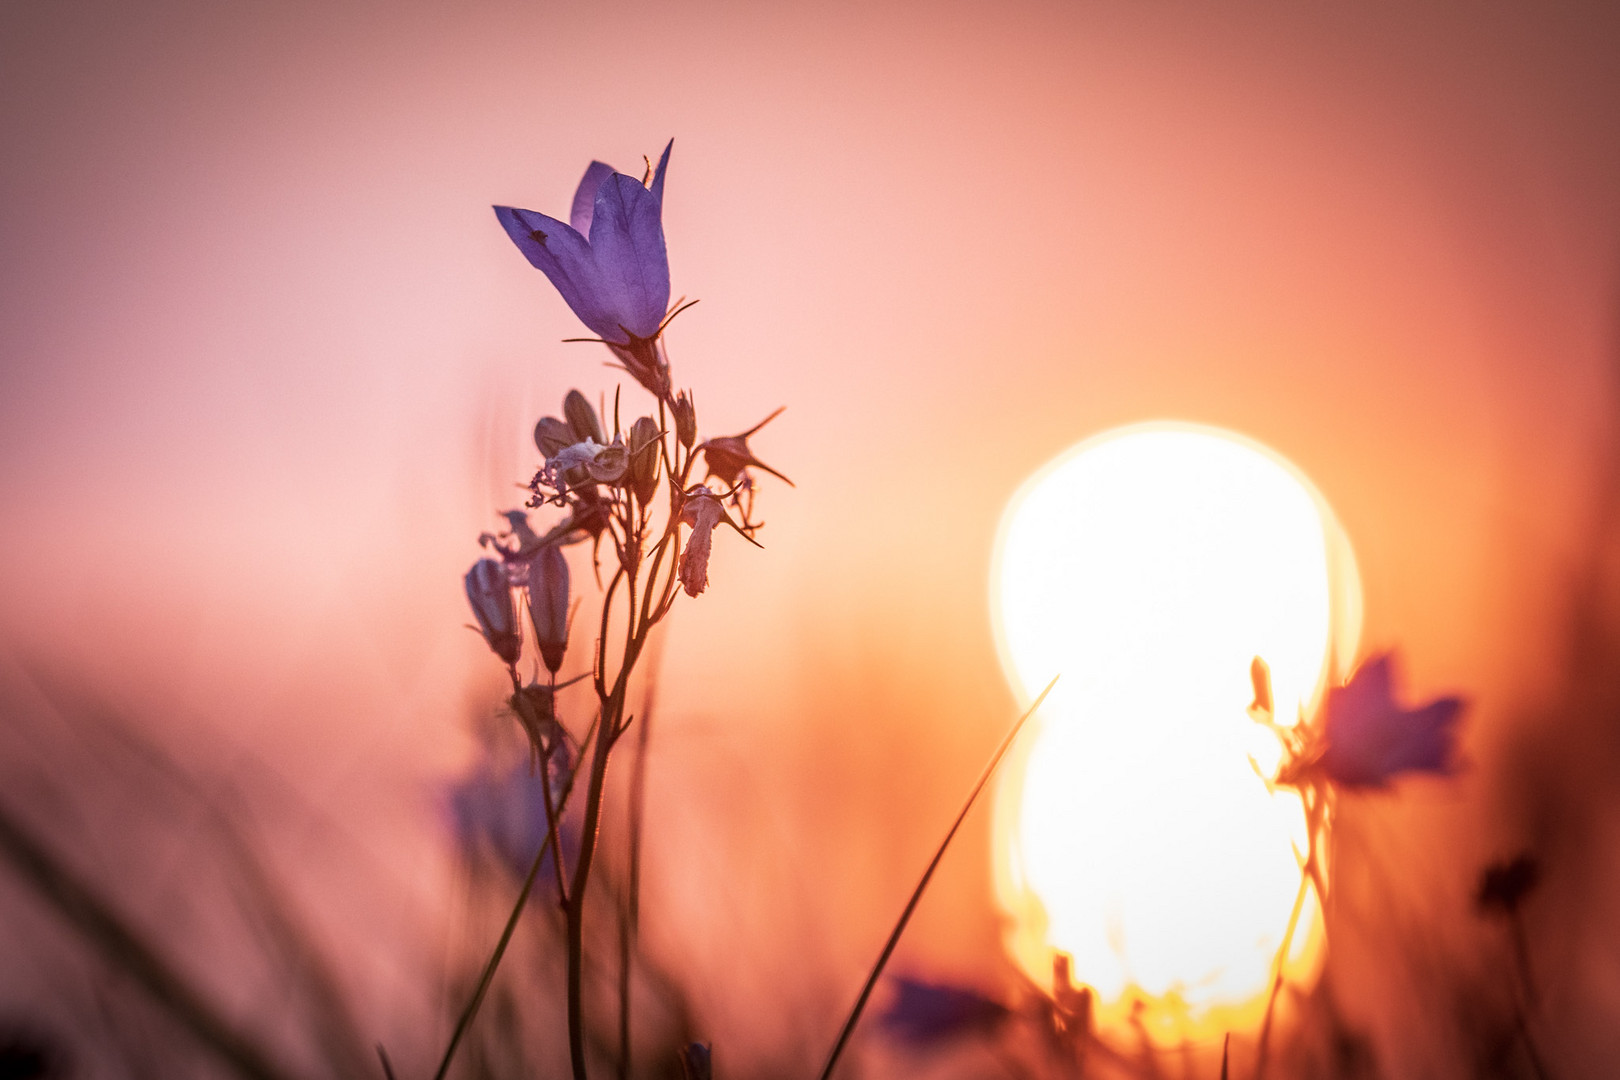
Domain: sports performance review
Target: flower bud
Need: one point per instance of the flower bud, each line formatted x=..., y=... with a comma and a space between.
x=685, y=419
x=582, y=418
x=548, y=604
x=552, y=435
x=1260, y=676
x=490, y=594
x=644, y=458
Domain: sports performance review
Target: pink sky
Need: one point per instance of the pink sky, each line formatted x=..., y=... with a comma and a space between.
x=268, y=365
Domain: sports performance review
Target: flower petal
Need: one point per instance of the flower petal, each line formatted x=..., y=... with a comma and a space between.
x=585, y=196
x=658, y=173
x=564, y=256
x=632, y=265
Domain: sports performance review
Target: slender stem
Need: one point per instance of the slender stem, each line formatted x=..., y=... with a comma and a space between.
x=582, y=870
x=916, y=894
x=532, y=723
x=630, y=915
x=1521, y=955
x=470, y=1010
x=552, y=813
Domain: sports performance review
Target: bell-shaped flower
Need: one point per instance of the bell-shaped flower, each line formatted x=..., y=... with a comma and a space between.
x=547, y=588
x=1369, y=739
x=609, y=261
x=702, y=511
x=490, y=592
x=730, y=458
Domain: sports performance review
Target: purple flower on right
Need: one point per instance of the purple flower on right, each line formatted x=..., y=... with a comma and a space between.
x=1370, y=739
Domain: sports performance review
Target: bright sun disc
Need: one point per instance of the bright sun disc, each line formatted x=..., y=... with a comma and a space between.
x=1147, y=567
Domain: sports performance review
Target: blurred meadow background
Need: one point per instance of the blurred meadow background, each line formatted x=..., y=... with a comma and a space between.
x=268, y=366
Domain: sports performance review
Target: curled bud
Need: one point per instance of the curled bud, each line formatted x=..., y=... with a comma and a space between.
x=685, y=419
x=702, y=511
x=548, y=604
x=551, y=435
x=490, y=594
x=644, y=458
x=582, y=418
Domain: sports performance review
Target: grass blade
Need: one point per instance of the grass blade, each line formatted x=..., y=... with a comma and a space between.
x=916, y=895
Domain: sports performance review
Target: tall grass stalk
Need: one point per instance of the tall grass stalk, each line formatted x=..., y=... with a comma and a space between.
x=916, y=894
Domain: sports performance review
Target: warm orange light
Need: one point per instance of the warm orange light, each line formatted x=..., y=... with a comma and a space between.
x=1148, y=566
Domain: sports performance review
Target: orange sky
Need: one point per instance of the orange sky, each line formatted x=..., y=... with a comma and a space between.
x=268, y=365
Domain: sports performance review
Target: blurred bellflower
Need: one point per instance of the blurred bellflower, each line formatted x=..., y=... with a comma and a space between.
x=608, y=261
x=1366, y=739
x=503, y=811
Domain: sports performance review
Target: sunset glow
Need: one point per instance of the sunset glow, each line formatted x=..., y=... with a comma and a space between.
x=1148, y=566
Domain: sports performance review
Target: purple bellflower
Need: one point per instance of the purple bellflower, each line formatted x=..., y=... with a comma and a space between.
x=608, y=261
x=1370, y=739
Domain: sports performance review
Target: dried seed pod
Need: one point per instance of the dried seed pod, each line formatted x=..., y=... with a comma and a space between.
x=552, y=435
x=582, y=418
x=644, y=460
x=548, y=604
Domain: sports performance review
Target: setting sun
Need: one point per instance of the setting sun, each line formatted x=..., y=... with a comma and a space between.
x=1148, y=566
